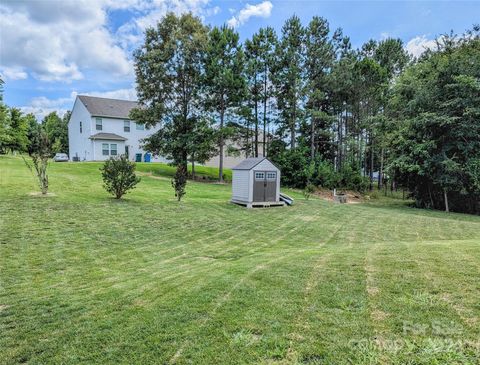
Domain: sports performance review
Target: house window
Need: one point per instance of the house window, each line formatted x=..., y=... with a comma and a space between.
x=259, y=176
x=140, y=127
x=113, y=149
x=105, y=149
x=98, y=124
x=80, y=127
x=271, y=175
x=126, y=126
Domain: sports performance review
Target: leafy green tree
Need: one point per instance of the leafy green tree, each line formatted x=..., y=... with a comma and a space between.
x=57, y=131
x=435, y=109
x=223, y=83
x=17, y=130
x=4, y=121
x=203, y=143
x=169, y=73
x=118, y=176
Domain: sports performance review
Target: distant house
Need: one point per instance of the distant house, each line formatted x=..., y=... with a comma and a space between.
x=100, y=128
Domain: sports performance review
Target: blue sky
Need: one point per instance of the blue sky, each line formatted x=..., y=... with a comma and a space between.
x=52, y=50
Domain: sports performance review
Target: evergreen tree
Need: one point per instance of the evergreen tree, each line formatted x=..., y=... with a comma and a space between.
x=267, y=41
x=253, y=70
x=223, y=83
x=289, y=76
x=319, y=61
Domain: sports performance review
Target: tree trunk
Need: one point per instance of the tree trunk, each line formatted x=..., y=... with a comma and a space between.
x=256, y=128
x=247, y=142
x=264, y=139
x=371, y=165
x=292, y=126
x=312, y=140
x=431, y=199
x=445, y=196
x=380, y=175
x=340, y=141
x=193, y=166
x=221, y=141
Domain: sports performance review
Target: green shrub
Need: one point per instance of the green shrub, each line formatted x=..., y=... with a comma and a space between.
x=294, y=166
x=309, y=190
x=119, y=176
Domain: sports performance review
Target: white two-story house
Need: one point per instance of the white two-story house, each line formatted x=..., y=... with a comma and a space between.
x=100, y=128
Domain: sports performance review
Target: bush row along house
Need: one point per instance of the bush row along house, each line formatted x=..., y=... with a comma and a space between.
x=100, y=128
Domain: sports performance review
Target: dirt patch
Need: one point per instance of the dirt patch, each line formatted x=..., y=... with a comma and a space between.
x=3, y=307
x=372, y=290
x=378, y=315
x=39, y=194
x=308, y=218
x=352, y=196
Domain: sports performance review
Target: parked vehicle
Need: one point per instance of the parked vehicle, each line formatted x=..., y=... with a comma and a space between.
x=60, y=157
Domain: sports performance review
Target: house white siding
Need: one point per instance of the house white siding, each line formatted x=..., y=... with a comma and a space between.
x=85, y=148
x=116, y=126
x=98, y=149
x=79, y=143
x=241, y=185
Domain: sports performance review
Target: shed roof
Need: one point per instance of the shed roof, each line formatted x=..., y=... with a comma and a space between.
x=250, y=163
x=104, y=107
x=109, y=136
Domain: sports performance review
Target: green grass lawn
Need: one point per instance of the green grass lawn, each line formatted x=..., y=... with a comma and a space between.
x=85, y=279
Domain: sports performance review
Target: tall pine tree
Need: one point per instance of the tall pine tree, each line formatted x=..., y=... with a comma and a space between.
x=223, y=83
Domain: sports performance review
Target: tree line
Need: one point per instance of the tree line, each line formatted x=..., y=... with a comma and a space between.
x=328, y=114
x=20, y=132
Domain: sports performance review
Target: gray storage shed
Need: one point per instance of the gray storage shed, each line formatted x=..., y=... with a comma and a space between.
x=256, y=183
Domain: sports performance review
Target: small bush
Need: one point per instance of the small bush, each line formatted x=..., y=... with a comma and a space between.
x=294, y=167
x=119, y=176
x=40, y=151
x=179, y=181
x=308, y=191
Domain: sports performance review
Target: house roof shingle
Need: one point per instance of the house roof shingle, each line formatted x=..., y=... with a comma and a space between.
x=108, y=136
x=249, y=163
x=104, y=107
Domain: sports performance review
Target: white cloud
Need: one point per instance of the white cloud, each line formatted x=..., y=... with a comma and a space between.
x=58, y=40
x=64, y=40
x=124, y=94
x=41, y=106
x=262, y=10
x=13, y=73
x=416, y=46
x=130, y=34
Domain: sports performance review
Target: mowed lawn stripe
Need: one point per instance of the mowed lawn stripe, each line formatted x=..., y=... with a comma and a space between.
x=87, y=279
